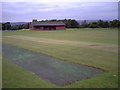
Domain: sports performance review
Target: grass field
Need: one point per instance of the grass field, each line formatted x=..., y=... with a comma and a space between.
x=92, y=47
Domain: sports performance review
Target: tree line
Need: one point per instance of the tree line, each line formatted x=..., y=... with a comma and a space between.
x=70, y=23
x=101, y=24
x=8, y=26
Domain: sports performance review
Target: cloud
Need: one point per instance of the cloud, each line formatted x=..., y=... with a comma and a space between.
x=26, y=11
x=48, y=1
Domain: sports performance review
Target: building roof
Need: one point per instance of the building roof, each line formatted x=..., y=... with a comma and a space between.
x=47, y=23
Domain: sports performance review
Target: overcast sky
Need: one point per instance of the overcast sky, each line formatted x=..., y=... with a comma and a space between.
x=24, y=10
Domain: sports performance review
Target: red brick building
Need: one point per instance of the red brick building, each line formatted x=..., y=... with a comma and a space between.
x=47, y=26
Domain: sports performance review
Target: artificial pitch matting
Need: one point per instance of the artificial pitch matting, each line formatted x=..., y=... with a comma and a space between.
x=48, y=68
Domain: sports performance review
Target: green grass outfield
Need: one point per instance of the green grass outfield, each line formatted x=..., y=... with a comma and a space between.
x=72, y=45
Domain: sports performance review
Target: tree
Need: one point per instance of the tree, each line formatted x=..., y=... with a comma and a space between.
x=0, y=26
x=6, y=26
x=101, y=23
x=34, y=20
x=53, y=20
x=74, y=24
x=3, y=26
x=106, y=24
x=70, y=23
x=15, y=27
x=119, y=24
x=93, y=25
x=22, y=26
x=84, y=24
x=25, y=26
x=114, y=23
